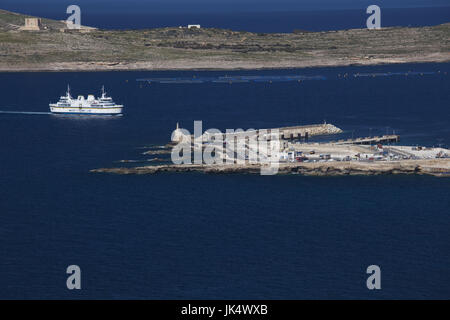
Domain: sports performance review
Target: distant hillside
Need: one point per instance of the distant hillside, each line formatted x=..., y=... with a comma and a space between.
x=182, y=48
x=12, y=21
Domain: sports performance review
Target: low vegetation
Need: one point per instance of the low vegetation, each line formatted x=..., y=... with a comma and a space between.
x=182, y=48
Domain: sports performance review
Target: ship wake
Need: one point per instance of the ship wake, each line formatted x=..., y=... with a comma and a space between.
x=24, y=112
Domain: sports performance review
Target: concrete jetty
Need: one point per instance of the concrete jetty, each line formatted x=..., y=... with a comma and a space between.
x=303, y=132
x=284, y=133
x=372, y=140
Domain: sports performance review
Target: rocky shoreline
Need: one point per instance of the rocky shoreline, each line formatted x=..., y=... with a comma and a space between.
x=435, y=167
x=216, y=65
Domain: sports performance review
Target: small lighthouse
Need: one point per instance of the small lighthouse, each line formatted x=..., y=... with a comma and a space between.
x=177, y=135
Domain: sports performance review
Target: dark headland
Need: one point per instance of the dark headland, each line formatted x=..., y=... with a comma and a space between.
x=54, y=48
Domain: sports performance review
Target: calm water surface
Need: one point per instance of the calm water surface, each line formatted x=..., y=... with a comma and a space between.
x=219, y=236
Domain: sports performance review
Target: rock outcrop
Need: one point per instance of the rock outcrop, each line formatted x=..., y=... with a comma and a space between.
x=436, y=167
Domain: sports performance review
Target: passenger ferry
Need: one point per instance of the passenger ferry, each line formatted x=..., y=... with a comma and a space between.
x=101, y=106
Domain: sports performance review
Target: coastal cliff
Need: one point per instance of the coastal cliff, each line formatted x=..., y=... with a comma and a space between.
x=53, y=49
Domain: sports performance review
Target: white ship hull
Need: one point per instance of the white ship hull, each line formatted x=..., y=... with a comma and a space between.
x=87, y=110
x=104, y=105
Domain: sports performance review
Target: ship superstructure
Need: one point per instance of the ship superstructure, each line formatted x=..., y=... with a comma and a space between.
x=103, y=105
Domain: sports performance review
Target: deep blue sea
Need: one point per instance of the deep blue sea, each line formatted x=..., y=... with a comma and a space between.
x=132, y=16
x=282, y=21
x=171, y=236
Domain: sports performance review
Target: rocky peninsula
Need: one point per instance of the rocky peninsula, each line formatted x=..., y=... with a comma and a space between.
x=293, y=154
